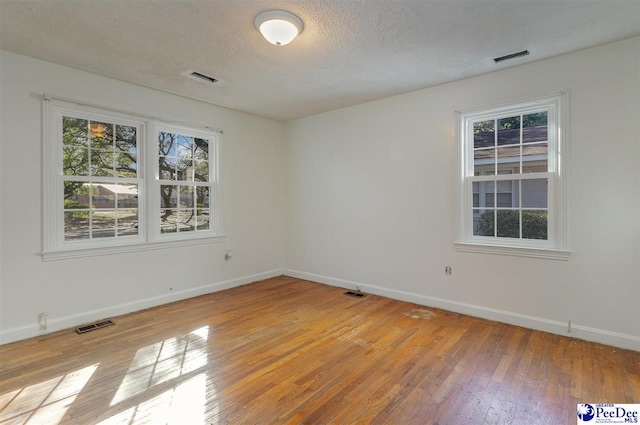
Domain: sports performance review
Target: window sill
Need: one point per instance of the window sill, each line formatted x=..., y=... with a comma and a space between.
x=548, y=254
x=123, y=249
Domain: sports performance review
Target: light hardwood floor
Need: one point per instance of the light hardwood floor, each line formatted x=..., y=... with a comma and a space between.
x=287, y=351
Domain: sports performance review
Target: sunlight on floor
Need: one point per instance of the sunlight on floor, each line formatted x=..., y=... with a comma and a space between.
x=202, y=332
x=183, y=404
x=45, y=402
x=162, y=362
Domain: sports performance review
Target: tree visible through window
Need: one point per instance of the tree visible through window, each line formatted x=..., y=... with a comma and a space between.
x=116, y=179
x=99, y=164
x=184, y=178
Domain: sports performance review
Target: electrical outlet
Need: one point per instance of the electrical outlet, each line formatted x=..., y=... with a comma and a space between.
x=42, y=321
x=228, y=255
x=447, y=270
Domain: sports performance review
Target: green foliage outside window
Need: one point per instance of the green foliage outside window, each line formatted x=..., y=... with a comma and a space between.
x=534, y=224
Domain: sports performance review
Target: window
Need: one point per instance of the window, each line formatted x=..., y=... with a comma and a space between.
x=512, y=190
x=115, y=181
x=100, y=177
x=184, y=176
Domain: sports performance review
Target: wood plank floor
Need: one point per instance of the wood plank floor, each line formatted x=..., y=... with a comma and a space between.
x=287, y=351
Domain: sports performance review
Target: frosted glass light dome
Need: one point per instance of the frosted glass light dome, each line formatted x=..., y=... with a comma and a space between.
x=278, y=26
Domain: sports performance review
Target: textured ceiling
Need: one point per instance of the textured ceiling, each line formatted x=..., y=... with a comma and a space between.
x=349, y=52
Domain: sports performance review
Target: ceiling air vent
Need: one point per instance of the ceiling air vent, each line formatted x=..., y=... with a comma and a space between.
x=199, y=76
x=512, y=56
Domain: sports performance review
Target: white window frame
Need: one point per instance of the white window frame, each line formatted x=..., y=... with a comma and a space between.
x=556, y=245
x=215, y=225
x=55, y=247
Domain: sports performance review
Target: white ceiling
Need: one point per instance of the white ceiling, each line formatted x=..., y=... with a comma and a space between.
x=349, y=52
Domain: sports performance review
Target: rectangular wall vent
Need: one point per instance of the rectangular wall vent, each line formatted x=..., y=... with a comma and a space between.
x=355, y=294
x=93, y=326
x=199, y=76
x=511, y=56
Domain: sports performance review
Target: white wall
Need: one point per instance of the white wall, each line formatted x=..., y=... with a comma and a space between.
x=371, y=200
x=359, y=196
x=79, y=290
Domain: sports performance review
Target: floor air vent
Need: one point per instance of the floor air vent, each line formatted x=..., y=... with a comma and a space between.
x=355, y=294
x=94, y=326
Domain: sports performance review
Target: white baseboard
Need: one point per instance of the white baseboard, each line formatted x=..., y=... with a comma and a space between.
x=70, y=321
x=631, y=342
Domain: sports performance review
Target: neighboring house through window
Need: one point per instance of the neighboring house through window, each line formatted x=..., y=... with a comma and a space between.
x=512, y=189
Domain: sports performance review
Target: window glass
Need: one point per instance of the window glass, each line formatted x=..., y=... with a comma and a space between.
x=92, y=208
x=113, y=179
x=184, y=205
x=512, y=185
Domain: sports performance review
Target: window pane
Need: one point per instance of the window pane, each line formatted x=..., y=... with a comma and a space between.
x=483, y=222
x=534, y=127
x=203, y=218
x=534, y=224
x=509, y=131
x=201, y=172
x=484, y=134
x=508, y=191
x=534, y=193
x=127, y=195
x=485, y=194
x=168, y=220
x=185, y=170
x=167, y=168
x=75, y=161
x=167, y=144
x=126, y=138
x=75, y=132
x=186, y=220
x=201, y=149
x=484, y=161
x=102, y=163
x=76, y=195
x=509, y=160
x=168, y=196
x=186, y=197
x=202, y=196
x=535, y=158
x=103, y=196
x=127, y=222
x=104, y=224
x=126, y=165
x=508, y=223
x=101, y=135
x=185, y=146
x=76, y=225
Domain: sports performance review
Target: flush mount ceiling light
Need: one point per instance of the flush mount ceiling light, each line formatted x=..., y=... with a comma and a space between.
x=278, y=26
